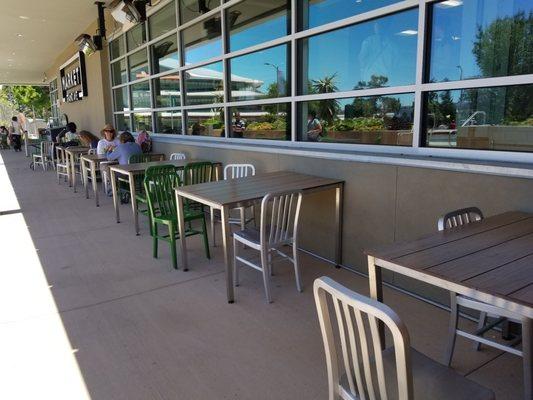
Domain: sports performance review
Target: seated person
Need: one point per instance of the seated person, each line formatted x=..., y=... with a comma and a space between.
x=88, y=139
x=125, y=149
x=109, y=140
x=69, y=136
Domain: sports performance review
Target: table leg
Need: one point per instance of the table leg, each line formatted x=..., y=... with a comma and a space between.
x=376, y=291
x=85, y=177
x=226, y=242
x=339, y=211
x=69, y=171
x=134, y=203
x=115, y=194
x=73, y=169
x=527, y=349
x=95, y=183
x=181, y=232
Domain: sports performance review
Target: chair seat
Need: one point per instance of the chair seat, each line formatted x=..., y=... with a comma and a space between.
x=188, y=216
x=252, y=237
x=431, y=380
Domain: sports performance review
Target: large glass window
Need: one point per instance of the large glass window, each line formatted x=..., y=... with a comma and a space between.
x=165, y=55
x=138, y=65
x=375, y=120
x=202, y=41
x=252, y=22
x=190, y=9
x=204, y=85
x=136, y=36
x=319, y=12
x=118, y=72
x=495, y=118
x=142, y=122
x=140, y=96
x=123, y=122
x=481, y=38
x=263, y=74
x=122, y=102
x=270, y=122
x=206, y=122
x=167, y=91
x=168, y=122
x=162, y=21
x=372, y=54
x=117, y=48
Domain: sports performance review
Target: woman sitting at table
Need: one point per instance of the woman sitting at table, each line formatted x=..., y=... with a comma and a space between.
x=88, y=139
x=69, y=136
x=125, y=149
x=109, y=140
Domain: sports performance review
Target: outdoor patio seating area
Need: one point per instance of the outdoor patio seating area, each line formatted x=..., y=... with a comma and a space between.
x=92, y=314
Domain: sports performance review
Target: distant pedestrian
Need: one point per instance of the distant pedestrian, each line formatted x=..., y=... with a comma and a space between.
x=15, y=134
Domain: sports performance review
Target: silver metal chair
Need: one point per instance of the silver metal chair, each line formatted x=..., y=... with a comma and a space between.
x=366, y=372
x=178, y=156
x=44, y=157
x=92, y=152
x=61, y=164
x=235, y=171
x=451, y=220
x=280, y=214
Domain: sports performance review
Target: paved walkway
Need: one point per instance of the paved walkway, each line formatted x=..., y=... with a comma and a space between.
x=86, y=312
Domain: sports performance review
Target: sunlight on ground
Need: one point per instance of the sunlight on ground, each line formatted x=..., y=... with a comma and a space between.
x=36, y=358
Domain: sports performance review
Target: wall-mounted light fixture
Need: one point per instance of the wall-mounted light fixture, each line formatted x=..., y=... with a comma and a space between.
x=89, y=45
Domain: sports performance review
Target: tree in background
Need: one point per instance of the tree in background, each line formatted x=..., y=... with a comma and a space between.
x=28, y=99
x=326, y=109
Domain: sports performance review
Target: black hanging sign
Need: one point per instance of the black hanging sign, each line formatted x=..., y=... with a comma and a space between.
x=73, y=79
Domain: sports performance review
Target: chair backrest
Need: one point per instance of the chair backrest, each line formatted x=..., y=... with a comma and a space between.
x=234, y=171
x=61, y=155
x=459, y=218
x=46, y=148
x=357, y=330
x=280, y=214
x=198, y=172
x=138, y=158
x=92, y=152
x=178, y=156
x=159, y=184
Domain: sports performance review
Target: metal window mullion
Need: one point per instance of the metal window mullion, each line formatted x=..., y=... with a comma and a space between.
x=226, y=72
x=419, y=76
x=293, y=72
x=479, y=83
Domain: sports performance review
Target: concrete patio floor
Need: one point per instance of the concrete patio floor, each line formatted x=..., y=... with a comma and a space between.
x=86, y=312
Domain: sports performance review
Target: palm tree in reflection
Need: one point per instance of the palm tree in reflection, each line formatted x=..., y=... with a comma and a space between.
x=327, y=108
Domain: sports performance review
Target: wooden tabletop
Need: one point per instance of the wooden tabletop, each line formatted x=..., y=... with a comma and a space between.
x=232, y=191
x=141, y=167
x=76, y=149
x=94, y=157
x=493, y=256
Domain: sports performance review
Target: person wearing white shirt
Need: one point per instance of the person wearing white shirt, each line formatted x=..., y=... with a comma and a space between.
x=15, y=134
x=109, y=140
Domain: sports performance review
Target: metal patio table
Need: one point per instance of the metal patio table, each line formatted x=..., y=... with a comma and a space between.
x=71, y=153
x=94, y=161
x=227, y=194
x=489, y=260
x=131, y=171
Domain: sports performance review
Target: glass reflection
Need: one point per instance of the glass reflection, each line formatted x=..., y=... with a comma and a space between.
x=202, y=41
x=121, y=97
x=165, y=55
x=142, y=122
x=478, y=38
x=138, y=65
x=190, y=9
x=206, y=122
x=263, y=74
x=118, y=72
x=271, y=121
x=386, y=120
x=319, y=12
x=168, y=122
x=162, y=21
x=136, y=36
x=495, y=118
x=140, y=95
x=252, y=22
x=116, y=48
x=123, y=122
x=373, y=54
x=167, y=91
x=204, y=85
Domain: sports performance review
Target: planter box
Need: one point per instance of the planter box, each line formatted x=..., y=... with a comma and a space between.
x=265, y=134
x=401, y=137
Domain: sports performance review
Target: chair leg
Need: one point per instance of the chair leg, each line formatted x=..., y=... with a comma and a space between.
x=154, y=240
x=243, y=217
x=173, y=255
x=206, y=240
x=480, y=325
x=296, y=260
x=266, y=274
x=452, y=330
x=212, y=210
x=270, y=265
x=235, y=264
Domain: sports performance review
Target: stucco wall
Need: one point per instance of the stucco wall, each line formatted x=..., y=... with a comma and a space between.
x=94, y=111
x=383, y=203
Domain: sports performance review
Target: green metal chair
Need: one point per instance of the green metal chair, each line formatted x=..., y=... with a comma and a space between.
x=194, y=173
x=159, y=184
x=124, y=183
